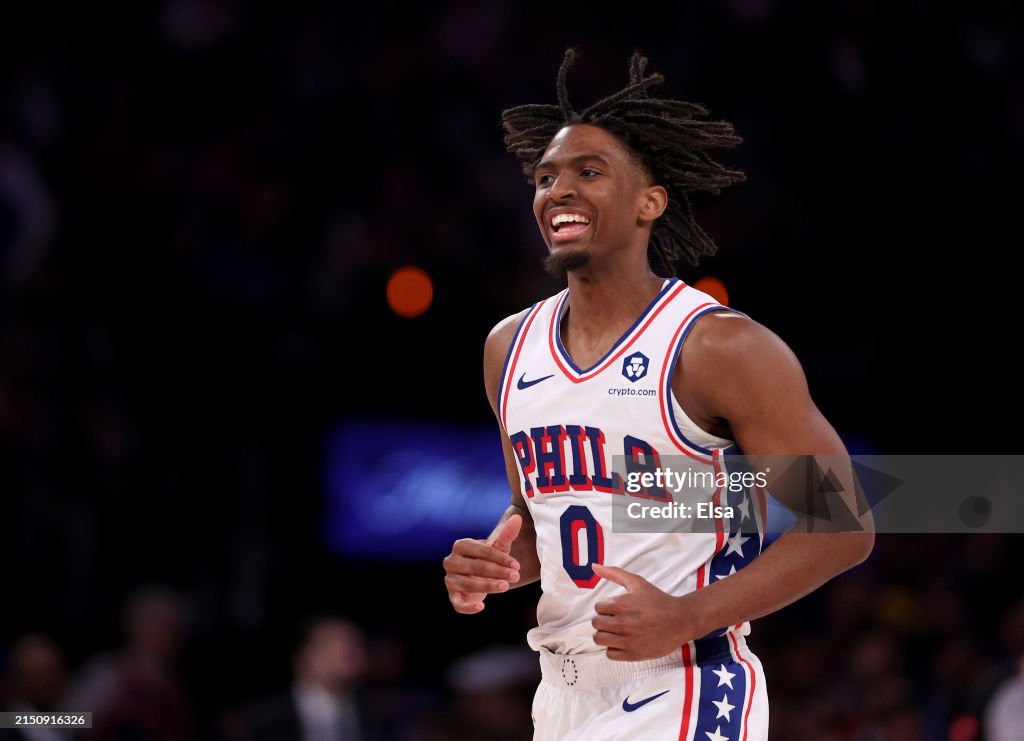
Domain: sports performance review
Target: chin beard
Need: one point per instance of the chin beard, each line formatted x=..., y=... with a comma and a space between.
x=561, y=264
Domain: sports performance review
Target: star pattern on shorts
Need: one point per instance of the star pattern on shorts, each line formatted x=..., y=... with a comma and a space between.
x=717, y=735
x=724, y=676
x=724, y=708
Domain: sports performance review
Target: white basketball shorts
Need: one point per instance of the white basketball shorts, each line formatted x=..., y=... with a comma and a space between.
x=712, y=689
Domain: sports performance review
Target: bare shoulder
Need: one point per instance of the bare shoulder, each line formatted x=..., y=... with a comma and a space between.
x=729, y=361
x=728, y=337
x=496, y=350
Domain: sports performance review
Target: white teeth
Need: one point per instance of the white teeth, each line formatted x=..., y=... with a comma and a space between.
x=567, y=218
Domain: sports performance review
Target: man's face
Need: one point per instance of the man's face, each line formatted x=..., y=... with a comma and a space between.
x=333, y=657
x=588, y=196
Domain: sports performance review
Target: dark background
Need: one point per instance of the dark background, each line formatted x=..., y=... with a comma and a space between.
x=200, y=206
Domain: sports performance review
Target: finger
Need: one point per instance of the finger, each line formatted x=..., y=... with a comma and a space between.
x=619, y=576
x=612, y=606
x=471, y=548
x=463, y=583
x=466, y=603
x=619, y=654
x=607, y=625
x=455, y=564
x=609, y=640
x=508, y=533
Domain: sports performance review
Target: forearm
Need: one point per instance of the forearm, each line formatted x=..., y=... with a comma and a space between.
x=795, y=565
x=524, y=547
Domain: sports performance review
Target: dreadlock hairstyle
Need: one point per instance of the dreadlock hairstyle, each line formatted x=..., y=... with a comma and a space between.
x=668, y=137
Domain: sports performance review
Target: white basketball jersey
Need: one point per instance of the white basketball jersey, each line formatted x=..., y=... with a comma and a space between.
x=566, y=425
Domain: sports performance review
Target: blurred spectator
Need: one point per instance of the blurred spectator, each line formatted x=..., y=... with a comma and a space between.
x=27, y=205
x=33, y=682
x=1001, y=699
x=328, y=664
x=1004, y=714
x=135, y=692
x=493, y=690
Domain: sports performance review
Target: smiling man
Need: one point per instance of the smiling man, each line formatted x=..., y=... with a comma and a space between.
x=640, y=634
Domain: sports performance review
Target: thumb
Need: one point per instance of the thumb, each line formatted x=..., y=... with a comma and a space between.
x=509, y=532
x=619, y=576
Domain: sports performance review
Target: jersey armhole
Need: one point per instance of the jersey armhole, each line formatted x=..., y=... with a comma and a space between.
x=517, y=339
x=677, y=420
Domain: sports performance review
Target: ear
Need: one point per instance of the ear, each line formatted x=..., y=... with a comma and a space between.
x=653, y=202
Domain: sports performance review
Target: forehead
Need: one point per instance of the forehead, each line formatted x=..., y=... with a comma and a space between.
x=581, y=139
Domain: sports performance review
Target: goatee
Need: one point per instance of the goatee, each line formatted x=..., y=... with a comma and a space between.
x=560, y=264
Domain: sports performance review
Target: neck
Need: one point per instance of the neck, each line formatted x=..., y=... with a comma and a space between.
x=607, y=301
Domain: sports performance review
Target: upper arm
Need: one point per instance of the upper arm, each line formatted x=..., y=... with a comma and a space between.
x=740, y=372
x=495, y=351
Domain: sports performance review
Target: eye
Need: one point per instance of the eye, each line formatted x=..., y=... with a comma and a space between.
x=543, y=180
x=588, y=172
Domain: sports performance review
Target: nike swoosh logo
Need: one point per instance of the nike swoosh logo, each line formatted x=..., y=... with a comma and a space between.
x=523, y=384
x=629, y=707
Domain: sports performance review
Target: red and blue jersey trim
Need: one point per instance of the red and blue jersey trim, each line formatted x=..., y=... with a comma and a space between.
x=668, y=369
x=511, y=358
x=565, y=363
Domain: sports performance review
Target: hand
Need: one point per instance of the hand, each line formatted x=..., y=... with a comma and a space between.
x=643, y=623
x=476, y=568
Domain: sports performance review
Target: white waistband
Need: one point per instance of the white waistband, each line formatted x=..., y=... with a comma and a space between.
x=587, y=671
x=590, y=671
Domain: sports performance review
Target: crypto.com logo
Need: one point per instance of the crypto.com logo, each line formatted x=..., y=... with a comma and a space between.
x=634, y=367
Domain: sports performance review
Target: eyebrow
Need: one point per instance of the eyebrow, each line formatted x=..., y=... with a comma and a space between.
x=592, y=157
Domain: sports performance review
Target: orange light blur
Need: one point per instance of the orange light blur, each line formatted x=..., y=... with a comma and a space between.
x=714, y=288
x=410, y=292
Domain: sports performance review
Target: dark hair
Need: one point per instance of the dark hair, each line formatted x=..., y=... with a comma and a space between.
x=310, y=623
x=667, y=137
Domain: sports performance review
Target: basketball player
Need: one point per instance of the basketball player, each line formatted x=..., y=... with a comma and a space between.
x=640, y=635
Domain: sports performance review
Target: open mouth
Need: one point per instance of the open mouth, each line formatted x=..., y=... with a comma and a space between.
x=567, y=226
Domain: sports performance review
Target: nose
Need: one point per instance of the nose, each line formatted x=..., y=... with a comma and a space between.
x=562, y=189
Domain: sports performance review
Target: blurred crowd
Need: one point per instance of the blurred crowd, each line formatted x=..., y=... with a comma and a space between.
x=924, y=641
x=200, y=203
